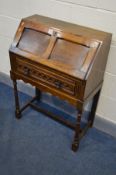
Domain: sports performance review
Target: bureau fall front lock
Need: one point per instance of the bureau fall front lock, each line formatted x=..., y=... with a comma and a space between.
x=64, y=59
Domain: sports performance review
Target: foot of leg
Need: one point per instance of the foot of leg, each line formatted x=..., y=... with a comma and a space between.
x=17, y=114
x=75, y=145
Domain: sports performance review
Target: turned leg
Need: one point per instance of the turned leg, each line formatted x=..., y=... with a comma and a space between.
x=93, y=108
x=17, y=106
x=38, y=93
x=75, y=144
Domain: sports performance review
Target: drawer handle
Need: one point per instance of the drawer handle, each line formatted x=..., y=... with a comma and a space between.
x=26, y=70
x=58, y=84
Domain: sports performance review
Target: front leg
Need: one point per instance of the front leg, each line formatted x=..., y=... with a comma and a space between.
x=38, y=93
x=17, y=106
x=75, y=144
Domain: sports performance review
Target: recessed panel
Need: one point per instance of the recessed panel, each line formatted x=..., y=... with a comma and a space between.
x=34, y=41
x=69, y=53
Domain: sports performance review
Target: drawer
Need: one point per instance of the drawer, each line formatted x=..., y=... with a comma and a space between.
x=46, y=77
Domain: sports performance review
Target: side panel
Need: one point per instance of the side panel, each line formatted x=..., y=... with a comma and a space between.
x=96, y=73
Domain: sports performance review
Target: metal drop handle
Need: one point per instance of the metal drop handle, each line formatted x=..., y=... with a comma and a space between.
x=58, y=84
x=26, y=70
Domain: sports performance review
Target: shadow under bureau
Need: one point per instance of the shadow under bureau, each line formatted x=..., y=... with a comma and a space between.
x=61, y=58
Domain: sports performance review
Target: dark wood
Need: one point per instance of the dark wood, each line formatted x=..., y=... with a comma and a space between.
x=93, y=108
x=28, y=104
x=75, y=144
x=17, y=106
x=53, y=116
x=61, y=58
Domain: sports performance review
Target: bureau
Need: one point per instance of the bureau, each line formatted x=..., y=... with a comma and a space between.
x=61, y=58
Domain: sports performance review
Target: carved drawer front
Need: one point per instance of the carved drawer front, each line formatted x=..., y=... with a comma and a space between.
x=46, y=77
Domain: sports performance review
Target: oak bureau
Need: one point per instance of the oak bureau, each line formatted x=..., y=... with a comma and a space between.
x=64, y=59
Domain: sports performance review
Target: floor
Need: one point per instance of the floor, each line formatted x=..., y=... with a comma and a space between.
x=36, y=144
